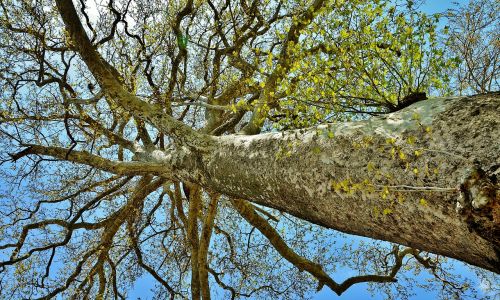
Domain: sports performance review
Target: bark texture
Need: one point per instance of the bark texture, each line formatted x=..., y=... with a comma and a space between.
x=424, y=176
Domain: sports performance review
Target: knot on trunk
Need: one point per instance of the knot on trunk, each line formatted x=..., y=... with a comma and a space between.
x=479, y=203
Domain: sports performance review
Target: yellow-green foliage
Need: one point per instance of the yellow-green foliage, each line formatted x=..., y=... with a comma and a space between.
x=358, y=56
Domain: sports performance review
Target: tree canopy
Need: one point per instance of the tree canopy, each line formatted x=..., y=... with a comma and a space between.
x=150, y=137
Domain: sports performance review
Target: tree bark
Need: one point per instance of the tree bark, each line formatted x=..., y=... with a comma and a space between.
x=424, y=176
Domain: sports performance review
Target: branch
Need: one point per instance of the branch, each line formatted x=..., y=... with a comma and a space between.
x=92, y=100
x=246, y=210
x=86, y=158
x=192, y=236
x=206, y=233
x=282, y=67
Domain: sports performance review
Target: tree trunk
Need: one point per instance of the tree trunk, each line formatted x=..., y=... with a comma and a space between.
x=424, y=176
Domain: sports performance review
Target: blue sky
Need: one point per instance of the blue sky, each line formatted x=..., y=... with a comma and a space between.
x=436, y=6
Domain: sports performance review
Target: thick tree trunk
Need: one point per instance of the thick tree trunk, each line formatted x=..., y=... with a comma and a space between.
x=413, y=177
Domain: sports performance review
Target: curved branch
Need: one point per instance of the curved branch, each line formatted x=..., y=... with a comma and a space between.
x=247, y=211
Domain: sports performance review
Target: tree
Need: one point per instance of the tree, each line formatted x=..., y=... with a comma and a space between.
x=131, y=145
x=473, y=38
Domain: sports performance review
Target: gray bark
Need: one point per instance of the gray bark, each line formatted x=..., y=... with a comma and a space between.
x=353, y=178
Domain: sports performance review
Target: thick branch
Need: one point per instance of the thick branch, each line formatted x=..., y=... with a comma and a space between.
x=206, y=234
x=86, y=158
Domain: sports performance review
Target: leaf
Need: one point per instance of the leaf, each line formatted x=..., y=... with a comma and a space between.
x=402, y=155
x=344, y=34
x=182, y=41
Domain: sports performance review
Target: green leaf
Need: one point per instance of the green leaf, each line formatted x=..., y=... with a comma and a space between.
x=182, y=41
